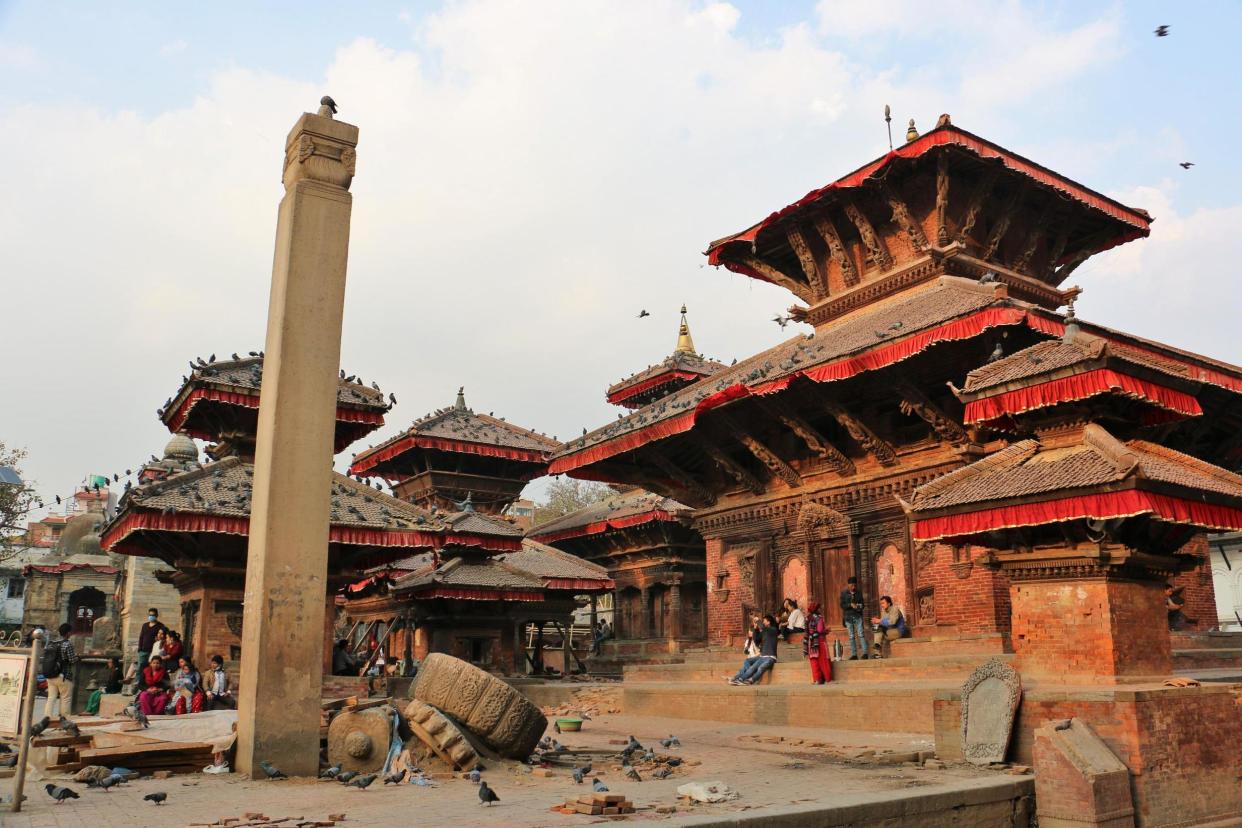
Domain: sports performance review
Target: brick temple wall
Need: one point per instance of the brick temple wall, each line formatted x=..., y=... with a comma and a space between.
x=726, y=595
x=956, y=595
x=1198, y=590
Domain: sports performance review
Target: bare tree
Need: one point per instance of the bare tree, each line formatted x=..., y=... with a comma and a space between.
x=17, y=499
x=565, y=495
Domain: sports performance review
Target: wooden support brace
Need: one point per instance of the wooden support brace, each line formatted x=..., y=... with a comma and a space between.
x=1039, y=229
x=731, y=467
x=864, y=436
x=761, y=452
x=777, y=277
x=942, y=198
x=975, y=205
x=1002, y=224
x=901, y=215
x=681, y=477
x=815, y=441
x=828, y=231
x=876, y=249
x=915, y=402
x=815, y=277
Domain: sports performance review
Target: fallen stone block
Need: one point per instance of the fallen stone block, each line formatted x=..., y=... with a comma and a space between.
x=500, y=716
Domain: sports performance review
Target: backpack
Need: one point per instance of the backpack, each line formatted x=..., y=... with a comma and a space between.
x=53, y=664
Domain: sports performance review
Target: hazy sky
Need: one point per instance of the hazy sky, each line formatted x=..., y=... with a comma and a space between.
x=532, y=174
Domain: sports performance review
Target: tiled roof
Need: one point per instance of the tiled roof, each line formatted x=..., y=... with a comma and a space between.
x=1056, y=354
x=949, y=298
x=477, y=523
x=618, y=506
x=678, y=361
x=1027, y=469
x=224, y=489
x=471, y=572
x=547, y=562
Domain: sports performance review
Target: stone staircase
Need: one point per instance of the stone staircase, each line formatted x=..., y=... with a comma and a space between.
x=1208, y=656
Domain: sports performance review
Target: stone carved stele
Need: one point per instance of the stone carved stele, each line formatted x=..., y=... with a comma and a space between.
x=990, y=699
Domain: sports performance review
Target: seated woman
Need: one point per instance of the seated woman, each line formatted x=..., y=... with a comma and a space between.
x=173, y=648
x=187, y=688
x=793, y=620
x=154, y=698
x=113, y=679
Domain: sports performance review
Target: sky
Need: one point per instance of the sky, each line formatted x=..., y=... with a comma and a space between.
x=530, y=175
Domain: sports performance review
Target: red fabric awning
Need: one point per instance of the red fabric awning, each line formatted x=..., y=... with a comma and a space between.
x=869, y=360
x=372, y=458
x=57, y=569
x=343, y=413
x=1079, y=387
x=944, y=136
x=1103, y=506
x=580, y=584
x=478, y=594
x=637, y=388
x=604, y=525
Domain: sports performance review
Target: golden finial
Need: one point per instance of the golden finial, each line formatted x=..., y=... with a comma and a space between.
x=685, y=344
x=912, y=132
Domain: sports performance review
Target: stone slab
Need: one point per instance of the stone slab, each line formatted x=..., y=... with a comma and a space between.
x=990, y=700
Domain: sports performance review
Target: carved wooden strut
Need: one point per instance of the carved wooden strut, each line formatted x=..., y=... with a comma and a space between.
x=828, y=231
x=915, y=403
x=876, y=249
x=762, y=453
x=815, y=277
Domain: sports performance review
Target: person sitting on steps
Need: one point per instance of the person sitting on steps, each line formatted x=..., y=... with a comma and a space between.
x=890, y=624
x=754, y=667
x=793, y=620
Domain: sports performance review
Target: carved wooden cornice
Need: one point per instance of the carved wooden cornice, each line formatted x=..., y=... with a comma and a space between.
x=920, y=271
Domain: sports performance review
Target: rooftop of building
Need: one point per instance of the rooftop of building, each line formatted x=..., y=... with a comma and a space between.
x=618, y=511
x=685, y=365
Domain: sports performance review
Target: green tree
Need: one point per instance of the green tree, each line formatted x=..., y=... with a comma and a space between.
x=565, y=495
x=16, y=502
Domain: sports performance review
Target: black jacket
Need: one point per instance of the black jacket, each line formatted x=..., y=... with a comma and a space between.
x=767, y=639
x=849, y=596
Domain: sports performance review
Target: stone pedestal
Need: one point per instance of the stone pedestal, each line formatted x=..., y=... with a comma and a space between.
x=1095, y=618
x=1079, y=781
x=286, y=566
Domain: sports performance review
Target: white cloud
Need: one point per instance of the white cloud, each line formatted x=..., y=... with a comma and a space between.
x=19, y=57
x=174, y=47
x=525, y=184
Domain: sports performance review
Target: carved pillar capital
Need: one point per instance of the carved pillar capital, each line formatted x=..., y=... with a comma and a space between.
x=320, y=149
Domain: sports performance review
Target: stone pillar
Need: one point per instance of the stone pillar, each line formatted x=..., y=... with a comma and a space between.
x=674, y=611
x=286, y=566
x=1097, y=619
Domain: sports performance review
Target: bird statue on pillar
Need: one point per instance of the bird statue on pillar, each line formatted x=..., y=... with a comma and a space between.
x=327, y=106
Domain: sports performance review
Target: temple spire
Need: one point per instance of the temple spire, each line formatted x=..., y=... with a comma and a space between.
x=460, y=405
x=685, y=344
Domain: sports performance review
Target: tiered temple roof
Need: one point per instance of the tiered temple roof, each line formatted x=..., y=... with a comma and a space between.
x=683, y=367
x=632, y=508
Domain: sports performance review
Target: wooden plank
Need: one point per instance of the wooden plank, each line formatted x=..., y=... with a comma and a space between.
x=171, y=749
x=59, y=741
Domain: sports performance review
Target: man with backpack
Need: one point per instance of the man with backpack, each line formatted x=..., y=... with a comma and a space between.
x=57, y=668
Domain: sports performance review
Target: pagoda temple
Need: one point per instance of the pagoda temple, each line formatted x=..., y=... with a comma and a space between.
x=1021, y=482
x=683, y=367
x=196, y=517
x=454, y=454
x=476, y=603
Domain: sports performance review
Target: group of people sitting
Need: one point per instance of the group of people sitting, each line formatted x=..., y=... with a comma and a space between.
x=768, y=630
x=166, y=680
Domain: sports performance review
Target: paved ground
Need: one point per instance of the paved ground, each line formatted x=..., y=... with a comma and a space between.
x=766, y=765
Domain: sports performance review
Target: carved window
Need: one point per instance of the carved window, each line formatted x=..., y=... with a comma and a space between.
x=16, y=588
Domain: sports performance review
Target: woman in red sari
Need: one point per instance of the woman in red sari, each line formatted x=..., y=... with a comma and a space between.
x=815, y=645
x=154, y=698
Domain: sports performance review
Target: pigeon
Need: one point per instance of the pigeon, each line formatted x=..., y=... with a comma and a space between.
x=395, y=778
x=60, y=794
x=633, y=774
x=1064, y=724
x=38, y=727
x=1161, y=31
x=671, y=742
x=346, y=776
x=599, y=787
x=662, y=773
x=649, y=756
x=158, y=797
x=69, y=727
x=475, y=776
x=781, y=320
x=137, y=715
x=672, y=763
x=330, y=773
x=579, y=775
x=643, y=313
x=1185, y=165
x=392, y=398
x=633, y=745
x=557, y=747
x=106, y=782
x=486, y=795
x=362, y=782
x=271, y=770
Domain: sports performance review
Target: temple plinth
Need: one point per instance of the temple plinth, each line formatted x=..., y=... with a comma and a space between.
x=287, y=560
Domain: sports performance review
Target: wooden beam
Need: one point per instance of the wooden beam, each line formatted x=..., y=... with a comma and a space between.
x=807, y=433
x=975, y=205
x=877, y=250
x=777, y=276
x=1063, y=272
x=942, y=198
x=731, y=467
x=1039, y=229
x=761, y=452
x=861, y=434
x=1002, y=224
x=681, y=477
x=815, y=276
x=1054, y=254
x=914, y=402
x=901, y=215
x=828, y=231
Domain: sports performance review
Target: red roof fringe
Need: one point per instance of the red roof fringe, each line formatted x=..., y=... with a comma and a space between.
x=651, y=382
x=115, y=537
x=56, y=569
x=604, y=525
x=343, y=414
x=870, y=360
x=1104, y=506
x=1079, y=387
x=370, y=459
x=942, y=137
x=480, y=594
x=580, y=584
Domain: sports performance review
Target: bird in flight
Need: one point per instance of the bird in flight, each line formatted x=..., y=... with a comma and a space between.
x=643, y=313
x=1162, y=31
x=781, y=320
x=1185, y=165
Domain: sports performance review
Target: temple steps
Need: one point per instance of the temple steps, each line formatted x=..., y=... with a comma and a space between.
x=1206, y=640
x=1208, y=658
x=791, y=670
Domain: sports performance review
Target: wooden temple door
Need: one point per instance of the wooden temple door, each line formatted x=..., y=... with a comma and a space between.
x=835, y=568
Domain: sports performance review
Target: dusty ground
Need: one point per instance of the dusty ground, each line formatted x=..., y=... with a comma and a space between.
x=767, y=765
